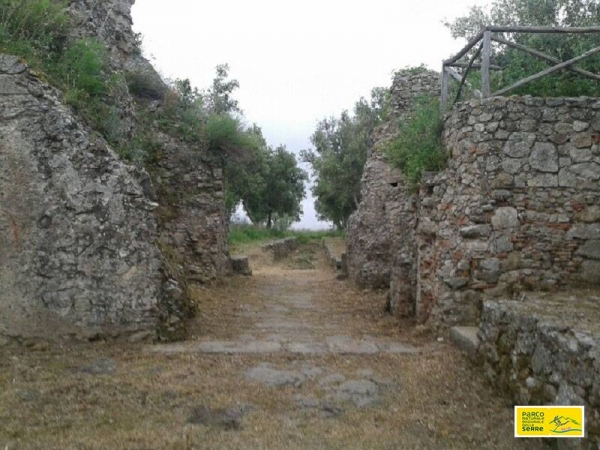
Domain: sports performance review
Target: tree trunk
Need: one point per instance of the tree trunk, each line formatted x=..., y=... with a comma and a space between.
x=269, y=221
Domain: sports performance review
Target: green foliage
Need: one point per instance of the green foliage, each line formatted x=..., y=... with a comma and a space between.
x=182, y=114
x=418, y=147
x=246, y=233
x=340, y=152
x=414, y=70
x=267, y=181
x=37, y=31
x=277, y=190
x=519, y=65
x=140, y=150
x=81, y=71
x=244, y=171
x=33, y=29
x=219, y=98
x=225, y=133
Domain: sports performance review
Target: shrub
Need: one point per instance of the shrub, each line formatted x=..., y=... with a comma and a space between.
x=81, y=71
x=140, y=150
x=33, y=29
x=418, y=147
x=224, y=133
x=182, y=114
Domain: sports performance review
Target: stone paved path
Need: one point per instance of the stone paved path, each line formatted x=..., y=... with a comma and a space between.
x=291, y=314
x=297, y=327
x=290, y=358
x=285, y=309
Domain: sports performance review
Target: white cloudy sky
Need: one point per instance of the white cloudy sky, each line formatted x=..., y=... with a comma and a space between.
x=297, y=61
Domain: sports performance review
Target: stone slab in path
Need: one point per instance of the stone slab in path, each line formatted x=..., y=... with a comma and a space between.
x=466, y=339
x=336, y=345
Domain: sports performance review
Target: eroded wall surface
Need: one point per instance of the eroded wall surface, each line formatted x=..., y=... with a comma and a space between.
x=93, y=246
x=377, y=236
x=76, y=230
x=517, y=209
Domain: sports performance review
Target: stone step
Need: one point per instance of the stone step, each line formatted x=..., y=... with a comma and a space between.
x=466, y=339
x=333, y=346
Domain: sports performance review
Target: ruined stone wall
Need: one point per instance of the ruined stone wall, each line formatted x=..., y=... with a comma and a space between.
x=76, y=229
x=376, y=237
x=109, y=21
x=90, y=244
x=192, y=220
x=192, y=216
x=545, y=350
x=517, y=208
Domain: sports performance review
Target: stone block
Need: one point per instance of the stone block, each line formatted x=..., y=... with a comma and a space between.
x=475, y=231
x=544, y=157
x=466, y=339
x=545, y=180
x=588, y=215
x=591, y=250
x=241, y=265
x=588, y=171
x=590, y=272
x=505, y=217
x=282, y=247
x=517, y=149
x=584, y=231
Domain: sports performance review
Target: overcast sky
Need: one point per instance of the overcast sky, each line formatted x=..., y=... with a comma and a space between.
x=297, y=61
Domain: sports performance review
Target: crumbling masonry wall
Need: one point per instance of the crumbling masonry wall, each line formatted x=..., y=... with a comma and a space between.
x=517, y=209
x=92, y=246
x=76, y=229
x=544, y=349
x=378, y=237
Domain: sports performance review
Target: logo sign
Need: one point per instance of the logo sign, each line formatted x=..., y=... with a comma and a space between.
x=549, y=421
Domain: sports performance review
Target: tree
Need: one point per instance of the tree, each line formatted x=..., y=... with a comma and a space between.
x=518, y=65
x=339, y=155
x=219, y=97
x=277, y=190
x=268, y=183
x=243, y=172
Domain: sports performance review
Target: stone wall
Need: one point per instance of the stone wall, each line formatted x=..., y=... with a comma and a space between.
x=109, y=21
x=76, y=229
x=517, y=209
x=545, y=349
x=192, y=221
x=375, y=236
x=95, y=245
x=192, y=217
x=281, y=247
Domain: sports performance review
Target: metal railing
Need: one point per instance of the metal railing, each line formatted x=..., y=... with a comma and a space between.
x=485, y=38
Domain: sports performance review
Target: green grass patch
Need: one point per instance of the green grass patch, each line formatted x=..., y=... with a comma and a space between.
x=418, y=147
x=244, y=234
x=34, y=29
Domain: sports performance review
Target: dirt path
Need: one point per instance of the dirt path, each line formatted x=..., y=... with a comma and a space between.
x=291, y=358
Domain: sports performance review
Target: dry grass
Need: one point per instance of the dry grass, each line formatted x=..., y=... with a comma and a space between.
x=434, y=400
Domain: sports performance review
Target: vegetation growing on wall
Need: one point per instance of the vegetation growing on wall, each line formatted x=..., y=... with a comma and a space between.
x=38, y=31
x=267, y=181
x=35, y=30
x=340, y=151
x=517, y=64
x=418, y=147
